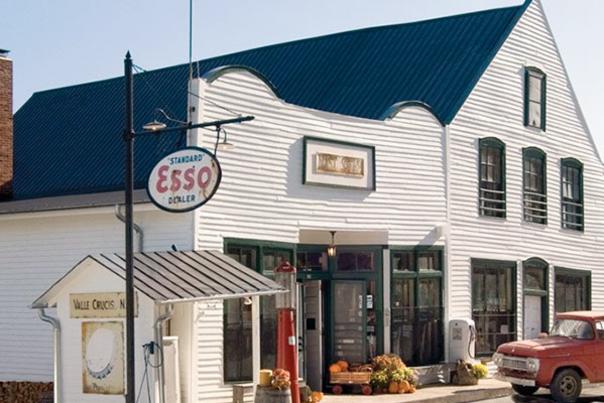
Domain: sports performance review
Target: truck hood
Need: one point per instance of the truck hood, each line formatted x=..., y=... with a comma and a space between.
x=538, y=347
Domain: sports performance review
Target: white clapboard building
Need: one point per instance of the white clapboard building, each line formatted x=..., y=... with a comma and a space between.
x=446, y=165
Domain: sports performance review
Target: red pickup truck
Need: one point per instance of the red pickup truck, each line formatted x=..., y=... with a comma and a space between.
x=571, y=354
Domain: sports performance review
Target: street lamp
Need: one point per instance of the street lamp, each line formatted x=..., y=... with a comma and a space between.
x=153, y=128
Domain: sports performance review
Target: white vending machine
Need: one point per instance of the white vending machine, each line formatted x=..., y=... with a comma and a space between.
x=462, y=340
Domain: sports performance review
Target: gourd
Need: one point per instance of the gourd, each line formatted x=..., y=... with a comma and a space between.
x=403, y=386
x=393, y=387
x=343, y=365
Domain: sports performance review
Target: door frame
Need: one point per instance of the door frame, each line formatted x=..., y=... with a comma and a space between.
x=331, y=274
x=331, y=340
x=543, y=293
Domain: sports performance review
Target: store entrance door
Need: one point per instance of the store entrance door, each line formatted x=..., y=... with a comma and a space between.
x=313, y=333
x=349, y=321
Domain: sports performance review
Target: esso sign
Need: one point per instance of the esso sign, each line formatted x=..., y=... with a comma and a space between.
x=184, y=180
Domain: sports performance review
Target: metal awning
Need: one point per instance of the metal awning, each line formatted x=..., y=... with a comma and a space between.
x=169, y=277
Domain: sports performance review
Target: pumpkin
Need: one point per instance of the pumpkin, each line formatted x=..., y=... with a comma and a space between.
x=403, y=386
x=334, y=369
x=393, y=387
x=343, y=365
x=411, y=389
x=316, y=396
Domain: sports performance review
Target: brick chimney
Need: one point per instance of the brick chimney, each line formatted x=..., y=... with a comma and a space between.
x=6, y=125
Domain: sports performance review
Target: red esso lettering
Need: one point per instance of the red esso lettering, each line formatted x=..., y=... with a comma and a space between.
x=161, y=179
x=176, y=179
x=189, y=178
x=203, y=182
x=174, y=176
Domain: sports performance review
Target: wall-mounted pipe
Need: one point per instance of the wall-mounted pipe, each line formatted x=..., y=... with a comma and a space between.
x=137, y=228
x=159, y=360
x=56, y=337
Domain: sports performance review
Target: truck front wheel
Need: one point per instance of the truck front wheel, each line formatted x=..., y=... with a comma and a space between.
x=566, y=386
x=524, y=390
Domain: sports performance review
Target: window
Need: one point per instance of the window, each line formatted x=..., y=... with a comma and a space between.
x=534, y=188
x=572, y=194
x=534, y=98
x=492, y=178
x=237, y=314
x=493, y=304
x=351, y=261
x=237, y=324
x=572, y=290
x=417, y=313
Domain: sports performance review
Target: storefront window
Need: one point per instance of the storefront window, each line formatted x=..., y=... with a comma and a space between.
x=355, y=261
x=239, y=347
x=238, y=325
x=311, y=261
x=417, y=327
x=493, y=304
x=402, y=262
x=573, y=290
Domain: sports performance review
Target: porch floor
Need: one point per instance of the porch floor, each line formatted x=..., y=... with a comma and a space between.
x=486, y=389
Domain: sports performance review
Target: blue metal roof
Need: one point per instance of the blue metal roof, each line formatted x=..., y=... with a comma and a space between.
x=69, y=140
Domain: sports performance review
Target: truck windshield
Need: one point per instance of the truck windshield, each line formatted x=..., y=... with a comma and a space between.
x=576, y=329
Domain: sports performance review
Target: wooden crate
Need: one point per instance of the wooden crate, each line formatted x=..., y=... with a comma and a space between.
x=350, y=378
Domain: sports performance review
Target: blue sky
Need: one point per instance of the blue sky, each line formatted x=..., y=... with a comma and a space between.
x=64, y=42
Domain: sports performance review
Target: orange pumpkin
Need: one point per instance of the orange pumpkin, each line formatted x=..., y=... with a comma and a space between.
x=393, y=387
x=334, y=369
x=316, y=396
x=411, y=389
x=343, y=365
x=403, y=386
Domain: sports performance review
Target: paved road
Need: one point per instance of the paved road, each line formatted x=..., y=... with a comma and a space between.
x=590, y=394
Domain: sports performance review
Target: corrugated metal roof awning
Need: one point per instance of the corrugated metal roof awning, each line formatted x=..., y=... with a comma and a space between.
x=169, y=277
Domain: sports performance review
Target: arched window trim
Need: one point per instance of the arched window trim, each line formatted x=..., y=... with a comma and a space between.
x=536, y=262
x=531, y=71
x=492, y=202
x=534, y=204
x=571, y=208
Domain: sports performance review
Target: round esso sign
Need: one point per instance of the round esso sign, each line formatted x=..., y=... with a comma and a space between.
x=184, y=180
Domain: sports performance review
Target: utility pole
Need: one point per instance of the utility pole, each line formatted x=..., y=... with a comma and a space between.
x=129, y=176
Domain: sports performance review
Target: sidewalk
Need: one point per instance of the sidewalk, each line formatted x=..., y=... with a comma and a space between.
x=486, y=389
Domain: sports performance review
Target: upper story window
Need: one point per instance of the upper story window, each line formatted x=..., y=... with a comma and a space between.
x=534, y=187
x=492, y=178
x=572, y=194
x=534, y=98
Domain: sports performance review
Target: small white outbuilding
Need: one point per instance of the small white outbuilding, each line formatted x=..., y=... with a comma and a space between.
x=89, y=326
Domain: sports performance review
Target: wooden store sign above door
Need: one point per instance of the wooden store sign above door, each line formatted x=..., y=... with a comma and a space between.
x=184, y=180
x=338, y=163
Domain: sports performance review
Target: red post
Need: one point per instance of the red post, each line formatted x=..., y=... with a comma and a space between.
x=287, y=341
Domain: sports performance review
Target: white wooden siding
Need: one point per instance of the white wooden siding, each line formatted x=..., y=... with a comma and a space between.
x=37, y=249
x=495, y=108
x=262, y=196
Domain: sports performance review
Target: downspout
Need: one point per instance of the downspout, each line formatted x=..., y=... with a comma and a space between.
x=159, y=360
x=137, y=228
x=56, y=333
